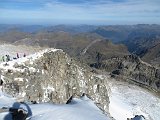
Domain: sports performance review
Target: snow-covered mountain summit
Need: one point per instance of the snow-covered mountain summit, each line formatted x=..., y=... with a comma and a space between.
x=52, y=76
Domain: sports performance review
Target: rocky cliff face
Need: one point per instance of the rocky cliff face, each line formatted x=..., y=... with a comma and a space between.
x=132, y=68
x=152, y=55
x=52, y=76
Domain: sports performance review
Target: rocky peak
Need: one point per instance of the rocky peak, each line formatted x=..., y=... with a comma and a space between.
x=52, y=76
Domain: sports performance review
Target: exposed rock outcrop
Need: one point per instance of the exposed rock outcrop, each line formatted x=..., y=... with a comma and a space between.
x=52, y=76
x=132, y=68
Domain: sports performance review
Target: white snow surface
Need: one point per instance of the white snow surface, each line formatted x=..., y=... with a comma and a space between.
x=5, y=100
x=78, y=109
x=12, y=50
x=128, y=100
x=21, y=61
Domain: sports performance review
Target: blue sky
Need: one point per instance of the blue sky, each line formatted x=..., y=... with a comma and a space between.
x=80, y=11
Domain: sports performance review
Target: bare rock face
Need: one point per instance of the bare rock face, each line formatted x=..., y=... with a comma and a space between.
x=52, y=76
x=132, y=68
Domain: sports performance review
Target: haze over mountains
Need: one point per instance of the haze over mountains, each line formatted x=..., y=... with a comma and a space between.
x=139, y=39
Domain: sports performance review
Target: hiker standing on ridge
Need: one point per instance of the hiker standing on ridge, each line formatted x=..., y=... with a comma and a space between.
x=7, y=58
x=17, y=55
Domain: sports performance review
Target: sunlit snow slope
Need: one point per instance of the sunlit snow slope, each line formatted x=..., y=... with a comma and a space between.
x=127, y=100
x=78, y=109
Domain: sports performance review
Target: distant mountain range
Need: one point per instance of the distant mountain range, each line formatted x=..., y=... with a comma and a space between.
x=140, y=39
x=38, y=28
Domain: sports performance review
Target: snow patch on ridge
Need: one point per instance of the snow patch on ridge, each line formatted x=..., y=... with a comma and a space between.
x=21, y=61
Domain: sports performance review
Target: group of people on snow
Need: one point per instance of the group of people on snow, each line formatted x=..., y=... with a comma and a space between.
x=7, y=57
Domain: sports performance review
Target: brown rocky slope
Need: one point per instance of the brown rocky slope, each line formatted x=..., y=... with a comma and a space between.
x=131, y=68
